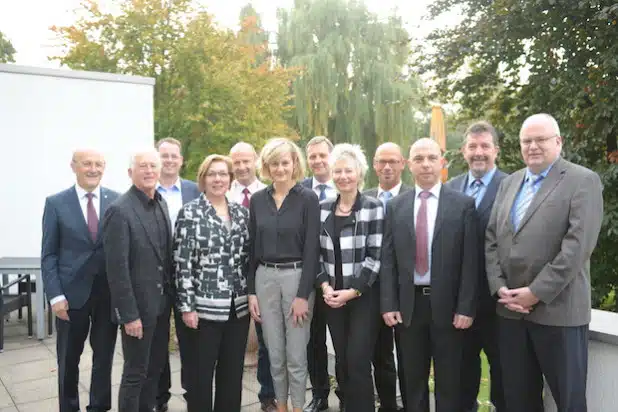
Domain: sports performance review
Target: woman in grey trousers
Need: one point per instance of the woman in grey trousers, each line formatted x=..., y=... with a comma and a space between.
x=284, y=229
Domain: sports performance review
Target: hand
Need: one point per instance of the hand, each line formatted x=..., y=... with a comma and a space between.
x=134, y=329
x=462, y=322
x=61, y=309
x=254, y=309
x=190, y=319
x=327, y=292
x=340, y=297
x=392, y=318
x=519, y=300
x=299, y=311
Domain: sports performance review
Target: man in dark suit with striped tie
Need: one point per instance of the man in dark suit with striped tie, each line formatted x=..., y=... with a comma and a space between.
x=480, y=149
x=75, y=279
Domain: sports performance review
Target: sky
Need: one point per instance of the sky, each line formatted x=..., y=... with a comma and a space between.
x=26, y=22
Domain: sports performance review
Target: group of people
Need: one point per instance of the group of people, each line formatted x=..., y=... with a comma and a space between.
x=485, y=262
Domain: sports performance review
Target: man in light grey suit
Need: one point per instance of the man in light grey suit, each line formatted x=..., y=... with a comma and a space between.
x=540, y=236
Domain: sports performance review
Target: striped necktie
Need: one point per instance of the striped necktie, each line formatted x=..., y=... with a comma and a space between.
x=475, y=190
x=527, y=194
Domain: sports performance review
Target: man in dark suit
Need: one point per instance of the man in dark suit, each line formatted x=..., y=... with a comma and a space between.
x=541, y=234
x=138, y=253
x=176, y=192
x=318, y=150
x=388, y=163
x=481, y=182
x=73, y=270
x=429, y=277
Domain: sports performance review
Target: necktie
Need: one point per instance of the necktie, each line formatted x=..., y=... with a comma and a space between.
x=322, y=188
x=385, y=197
x=525, y=199
x=93, y=220
x=245, y=200
x=475, y=190
x=422, y=236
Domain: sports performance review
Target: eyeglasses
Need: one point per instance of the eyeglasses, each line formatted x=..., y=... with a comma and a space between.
x=538, y=140
x=222, y=175
x=391, y=162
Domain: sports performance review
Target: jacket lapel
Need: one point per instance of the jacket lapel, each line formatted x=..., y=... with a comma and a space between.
x=490, y=193
x=76, y=210
x=103, y=205
x=511, y=195
x=150, y=231
x=442, y=202
x=409, y=215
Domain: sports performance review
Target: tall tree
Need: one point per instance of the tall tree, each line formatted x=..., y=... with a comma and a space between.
x=252, y=33
x=7, y=51
x=209, y=92
x=353, y=86
x=509, y=59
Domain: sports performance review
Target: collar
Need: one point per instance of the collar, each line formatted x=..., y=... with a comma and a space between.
x=394, y=191
x=294, y=189
x=435, y=190
x=486, y=179
x=81, y=192
x=543, y=174
x=143, y=197
x=175, y=187
x=358, y=202
x=315, y=183
x=253, y=187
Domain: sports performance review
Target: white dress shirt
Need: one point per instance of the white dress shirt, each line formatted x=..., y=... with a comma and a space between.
x=83, y=204
x=330, y=190
x=235, y=194
x=394, y=191
x=432, y=213
x=173, y=198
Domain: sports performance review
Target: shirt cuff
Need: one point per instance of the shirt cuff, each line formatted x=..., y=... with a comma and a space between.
x=57, y=299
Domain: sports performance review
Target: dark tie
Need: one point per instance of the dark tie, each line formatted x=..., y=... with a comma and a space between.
x=422, y=236
x=322, y=188
x=245, y=200
x=93, y=220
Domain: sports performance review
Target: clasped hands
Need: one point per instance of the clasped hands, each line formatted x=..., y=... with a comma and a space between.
x=520, y=300
x=337, y=298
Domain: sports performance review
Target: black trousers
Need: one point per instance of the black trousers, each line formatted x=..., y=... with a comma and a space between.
x=421, y=342
x=94, y=318
x=384, y=368
x=144, y=359
x=354, y=329
x=165, y=381
x=217, y=348
x=483, y=335
x=317, y=354
x=529, y=351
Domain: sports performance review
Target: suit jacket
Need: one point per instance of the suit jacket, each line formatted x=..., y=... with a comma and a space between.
x=70, y=260
x=550, y=251
x=373, y=192
x=188, y=190
x=486, y=301
x=307, y=182
x=136, y=268
x=454, y=259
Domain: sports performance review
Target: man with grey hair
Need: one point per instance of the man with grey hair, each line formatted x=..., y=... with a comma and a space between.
x=541, y=234
x=481, y=181
x=138, y=243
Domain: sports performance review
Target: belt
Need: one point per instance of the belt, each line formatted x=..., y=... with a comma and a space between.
x=422, y=290
x=286, y=265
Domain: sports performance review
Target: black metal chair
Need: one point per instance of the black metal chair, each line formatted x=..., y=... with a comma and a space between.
x=15, y=302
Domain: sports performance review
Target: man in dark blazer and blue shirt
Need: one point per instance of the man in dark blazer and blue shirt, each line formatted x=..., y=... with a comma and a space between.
x=73, y=270
x=176, y=192
x=388, y=163
x=481, y=182
x=138, y=244
x=429, y=277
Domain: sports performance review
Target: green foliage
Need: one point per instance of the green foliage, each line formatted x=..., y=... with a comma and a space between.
x=509, y=59
x=7, y=51
x=211, y=88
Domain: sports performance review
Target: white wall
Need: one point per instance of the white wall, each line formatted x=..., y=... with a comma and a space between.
x=45, y=115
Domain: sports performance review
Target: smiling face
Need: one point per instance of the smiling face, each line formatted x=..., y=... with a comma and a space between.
x=480, y=152
x=426, y=163
x=145, y=171
x=244, y=163
x=317, y=157
x=540, y=144
x=171, y=160
x=217, y=180
x=281, y=168
x=345, y=175
x=388, y=164
x=88, y=166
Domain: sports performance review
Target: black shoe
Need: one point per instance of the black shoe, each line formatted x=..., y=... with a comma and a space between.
x=341, y=406
x=162, y=408
x=269, y=405
x=317, y=404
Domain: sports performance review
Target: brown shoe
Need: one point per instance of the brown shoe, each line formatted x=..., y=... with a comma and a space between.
x=269, y=405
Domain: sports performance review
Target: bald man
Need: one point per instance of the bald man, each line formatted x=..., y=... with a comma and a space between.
x=74, y=275
x=428, y=281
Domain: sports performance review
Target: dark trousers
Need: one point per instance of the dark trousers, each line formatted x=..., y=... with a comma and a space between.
x=483, y=335
x=317, y=353
x=529, y=351
x=217, y=348
x=265, y=379
x=354, y=329
x=421, y=342
x=144, y=359
x=384, y=368
x=165, y=381
x=94, y=318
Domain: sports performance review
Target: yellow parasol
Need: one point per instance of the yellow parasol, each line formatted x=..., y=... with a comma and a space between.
x=437, y=131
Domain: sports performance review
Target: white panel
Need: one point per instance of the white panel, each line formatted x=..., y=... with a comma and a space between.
x=43, y=118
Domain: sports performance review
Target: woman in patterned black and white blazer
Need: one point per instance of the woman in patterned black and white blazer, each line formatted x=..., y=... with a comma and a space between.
x=211, y=254
x=351, y=240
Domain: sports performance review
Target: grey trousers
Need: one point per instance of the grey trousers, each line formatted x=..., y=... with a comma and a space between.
x=287, y=344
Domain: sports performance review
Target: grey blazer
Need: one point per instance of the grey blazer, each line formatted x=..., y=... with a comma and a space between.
x=550, y=251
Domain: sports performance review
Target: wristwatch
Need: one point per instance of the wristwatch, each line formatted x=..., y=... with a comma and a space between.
x=358, y=293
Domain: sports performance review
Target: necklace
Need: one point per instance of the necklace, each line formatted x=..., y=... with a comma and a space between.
x=342, y=210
